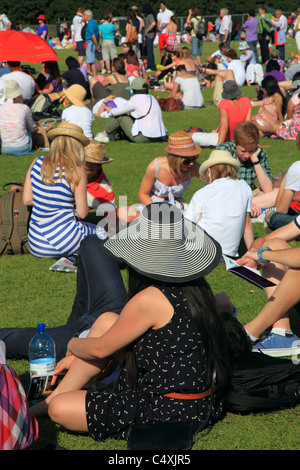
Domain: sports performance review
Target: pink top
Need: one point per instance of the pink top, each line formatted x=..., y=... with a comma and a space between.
x=16, y=124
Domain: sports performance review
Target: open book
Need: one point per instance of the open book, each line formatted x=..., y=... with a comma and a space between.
x=249, y=274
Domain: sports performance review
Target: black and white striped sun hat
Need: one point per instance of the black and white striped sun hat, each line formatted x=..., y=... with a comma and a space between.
x=161, y=244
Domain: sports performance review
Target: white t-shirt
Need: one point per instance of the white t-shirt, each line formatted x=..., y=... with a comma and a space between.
x=221, y=56
x=292, y=180
x=164, y=18
x=147, y=113
x=239, y=71
x=226, y=25
x=81, y=116
x=191, y=90
x=220, y=209
x=24, y=80
x=77, y=26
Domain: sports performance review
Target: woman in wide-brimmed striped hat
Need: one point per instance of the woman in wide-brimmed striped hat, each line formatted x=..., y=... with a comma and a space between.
x=168, y=177
x=170, y=338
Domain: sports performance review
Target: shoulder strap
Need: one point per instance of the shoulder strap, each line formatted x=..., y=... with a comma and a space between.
x=21, y=221
x=141, y=117
x=6, y=201
x=156, y=167
x=115, y=77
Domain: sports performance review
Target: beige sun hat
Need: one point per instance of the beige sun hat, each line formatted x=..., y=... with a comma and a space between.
x=95, y=153
x=12, y=89
x=219, y=157
x=76, y=94
x=69, y=130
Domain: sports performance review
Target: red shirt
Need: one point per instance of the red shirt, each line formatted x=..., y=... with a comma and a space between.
x=100, y=191
x=237, y=113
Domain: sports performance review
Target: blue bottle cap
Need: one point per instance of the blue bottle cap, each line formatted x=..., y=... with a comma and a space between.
x=41, y=326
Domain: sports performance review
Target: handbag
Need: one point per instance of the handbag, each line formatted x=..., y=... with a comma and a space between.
x=39, y=137
x=169, y=104
x=132, y=34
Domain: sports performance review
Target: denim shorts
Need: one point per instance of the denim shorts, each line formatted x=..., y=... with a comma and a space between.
x=90, y=53
x=80, y=48
x=196, y=46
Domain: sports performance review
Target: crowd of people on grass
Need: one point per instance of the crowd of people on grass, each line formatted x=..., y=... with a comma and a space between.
x=164, y=338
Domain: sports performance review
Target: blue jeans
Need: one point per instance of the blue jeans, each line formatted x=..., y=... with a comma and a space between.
x=100, y=289
x=278, y=219
x=23, y=150
x=253, y=45
x=150, y=53
x=281, y=50
x=196, y=46
x=90, y=53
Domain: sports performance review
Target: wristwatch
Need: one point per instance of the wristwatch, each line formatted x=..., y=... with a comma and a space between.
x=256, y=163
x=259, y=254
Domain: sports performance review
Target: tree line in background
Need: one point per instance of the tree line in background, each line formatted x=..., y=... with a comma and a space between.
x=26, y=11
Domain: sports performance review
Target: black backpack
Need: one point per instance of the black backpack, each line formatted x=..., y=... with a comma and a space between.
x=263, y=383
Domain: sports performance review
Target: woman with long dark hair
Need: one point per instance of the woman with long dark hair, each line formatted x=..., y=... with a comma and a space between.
x=170, y=330
x=272, y=106
x=290, y=127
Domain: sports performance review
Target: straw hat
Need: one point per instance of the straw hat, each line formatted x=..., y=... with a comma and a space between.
x=12, y=89
x=219, y=157
x=182, y=145
x=76, y=94
x=69, y=130
x=231, y=91
x=163, y=245
x=95, y=153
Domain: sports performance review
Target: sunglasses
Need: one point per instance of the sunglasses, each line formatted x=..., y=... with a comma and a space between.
x=188, y=161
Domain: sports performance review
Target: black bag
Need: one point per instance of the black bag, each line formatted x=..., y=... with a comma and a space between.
x=263, y=383
x=158, y=436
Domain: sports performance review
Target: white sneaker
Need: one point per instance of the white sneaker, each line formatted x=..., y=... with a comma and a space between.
x=100, y=137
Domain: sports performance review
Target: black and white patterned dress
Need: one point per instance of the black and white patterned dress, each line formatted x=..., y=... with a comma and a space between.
x=169, y=359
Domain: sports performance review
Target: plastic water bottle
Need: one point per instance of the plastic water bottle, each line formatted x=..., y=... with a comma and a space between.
x=42, y=355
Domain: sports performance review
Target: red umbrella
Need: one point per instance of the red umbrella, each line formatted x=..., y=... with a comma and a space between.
x=24, y=47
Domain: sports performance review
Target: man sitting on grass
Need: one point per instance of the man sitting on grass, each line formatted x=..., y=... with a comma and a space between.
x=140, y=118
x=254, y=165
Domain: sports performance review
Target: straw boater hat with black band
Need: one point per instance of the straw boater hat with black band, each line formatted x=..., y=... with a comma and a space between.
x=95, y=153
x=219, y=157
x=69, y=130
x=163, y=245
x=181, y=144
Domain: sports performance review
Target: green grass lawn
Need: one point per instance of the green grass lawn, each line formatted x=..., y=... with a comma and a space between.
x=30, y=293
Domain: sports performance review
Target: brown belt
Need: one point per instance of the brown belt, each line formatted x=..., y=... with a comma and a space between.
x=188, y=396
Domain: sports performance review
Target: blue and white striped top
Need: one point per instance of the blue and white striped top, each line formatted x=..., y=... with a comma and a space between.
x=53, y=229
